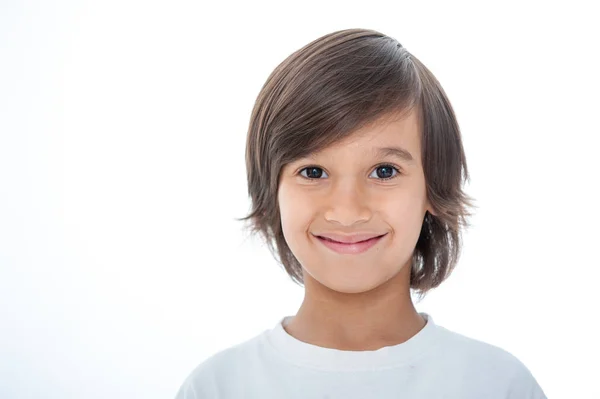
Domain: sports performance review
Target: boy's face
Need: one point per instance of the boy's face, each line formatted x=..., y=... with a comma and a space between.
x=348, y=194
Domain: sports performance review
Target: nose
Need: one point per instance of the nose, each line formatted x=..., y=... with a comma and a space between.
x=347, y=204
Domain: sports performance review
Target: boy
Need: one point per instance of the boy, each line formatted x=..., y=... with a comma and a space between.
x=355, y=168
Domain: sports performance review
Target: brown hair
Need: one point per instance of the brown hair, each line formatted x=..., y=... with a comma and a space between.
x=322, y=93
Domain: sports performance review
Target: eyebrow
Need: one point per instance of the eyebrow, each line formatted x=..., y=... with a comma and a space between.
x=398, y=152
x=382, y=152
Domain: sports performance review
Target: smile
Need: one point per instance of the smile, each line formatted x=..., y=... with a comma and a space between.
x=350, y=249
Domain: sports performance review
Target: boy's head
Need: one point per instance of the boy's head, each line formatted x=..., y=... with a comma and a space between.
x=317, y=164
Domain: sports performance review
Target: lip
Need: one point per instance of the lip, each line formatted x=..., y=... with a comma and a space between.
x=352, y=248
x=349, y=238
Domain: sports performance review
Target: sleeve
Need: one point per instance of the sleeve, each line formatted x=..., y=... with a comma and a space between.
x=524, y=385
x=194, y=389
x=186, y=391
x=200, y=384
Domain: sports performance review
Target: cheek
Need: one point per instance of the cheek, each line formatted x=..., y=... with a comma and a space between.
x=293, y=209
x=404, y=214
x=399, y=205
x=285, y=200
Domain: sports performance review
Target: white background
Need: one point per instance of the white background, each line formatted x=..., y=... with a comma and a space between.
x=122, y=135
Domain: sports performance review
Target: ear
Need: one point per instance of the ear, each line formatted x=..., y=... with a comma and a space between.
x=430, y=209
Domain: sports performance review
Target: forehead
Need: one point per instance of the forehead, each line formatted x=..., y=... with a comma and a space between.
x=394, y=134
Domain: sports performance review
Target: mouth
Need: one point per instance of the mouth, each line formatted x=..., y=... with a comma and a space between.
x=350, y=248
x=349, y=243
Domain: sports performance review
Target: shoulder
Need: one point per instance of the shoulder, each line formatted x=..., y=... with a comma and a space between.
x=490, y=363
x=206, y=378
x=475, y=350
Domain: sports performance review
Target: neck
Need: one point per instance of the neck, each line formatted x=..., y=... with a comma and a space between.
x=370, y=320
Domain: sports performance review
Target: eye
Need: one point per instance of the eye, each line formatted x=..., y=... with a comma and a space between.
x=383, y=172
x=313, y=172
x=387, y=172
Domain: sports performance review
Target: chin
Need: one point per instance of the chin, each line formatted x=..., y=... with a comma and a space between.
x=348, y=284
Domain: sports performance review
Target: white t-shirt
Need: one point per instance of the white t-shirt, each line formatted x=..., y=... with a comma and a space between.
x=434, y=363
